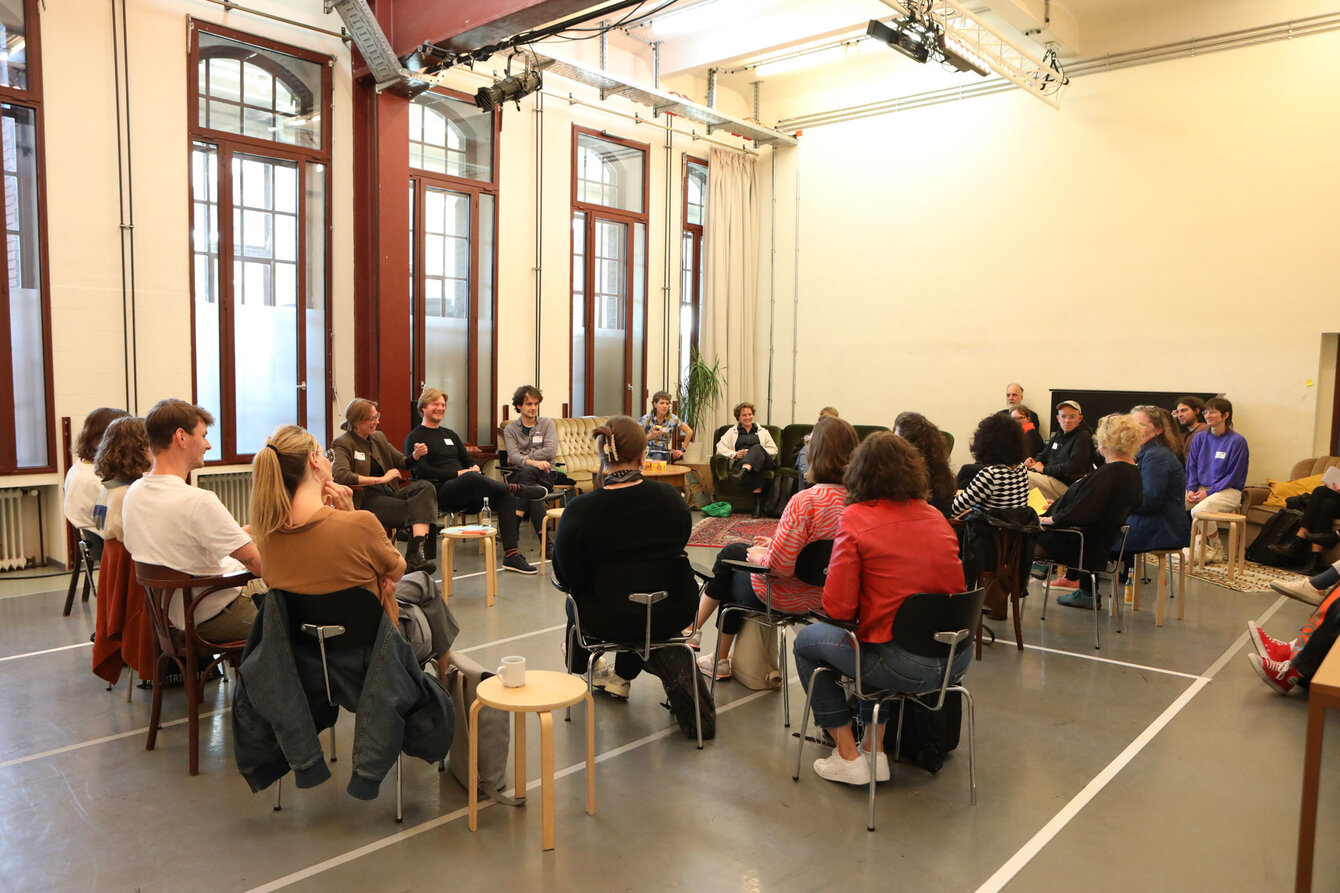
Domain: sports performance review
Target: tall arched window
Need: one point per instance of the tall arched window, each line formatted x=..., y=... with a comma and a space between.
x=609, y=273
x=260, y=161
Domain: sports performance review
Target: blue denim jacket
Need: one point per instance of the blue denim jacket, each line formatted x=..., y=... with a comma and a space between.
x=280, y=705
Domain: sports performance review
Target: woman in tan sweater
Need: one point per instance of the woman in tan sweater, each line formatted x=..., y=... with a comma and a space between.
x=310, y=538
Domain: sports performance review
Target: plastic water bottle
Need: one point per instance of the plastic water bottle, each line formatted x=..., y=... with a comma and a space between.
x=485, y=515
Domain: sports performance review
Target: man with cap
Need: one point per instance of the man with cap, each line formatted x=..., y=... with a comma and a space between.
x=1068, y=455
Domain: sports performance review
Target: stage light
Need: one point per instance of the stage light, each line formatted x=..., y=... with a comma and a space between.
x=960, y=55
x=510, y=89
x=910, y=37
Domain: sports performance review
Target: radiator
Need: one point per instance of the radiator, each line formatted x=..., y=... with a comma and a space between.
x=233, y=489
x=12, y=553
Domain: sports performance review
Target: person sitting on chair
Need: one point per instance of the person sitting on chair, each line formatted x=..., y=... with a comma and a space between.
x=438, y=454
x=1216, y=470
x=169, y=523
x=123, y=458
x=1032, y=436
x=751, y=450
x=1068, y=455
x=1000, y=481
x=803, y=455
x=366, y=461
x=1282, y=665
x=1315, y=533
x=661, y=425
x=810, y=515
x=311, y=539
x=1190, y=415
x=82, y=484
x=1099, y=504
x=627, y=527
x=1014, y=399
x=922, y=433
x=532, y=448
x=890, y=545
x=1159, y=521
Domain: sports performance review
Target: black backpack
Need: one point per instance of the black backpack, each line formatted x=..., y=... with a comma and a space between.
x=928, y=735
x=1279, y=528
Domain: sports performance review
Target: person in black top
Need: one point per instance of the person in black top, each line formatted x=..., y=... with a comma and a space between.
x=1099, y=505
x=1068, y=455
x=751, y=450
x=922, y=433
x=436, y=453
x=629, y=536
x=1032, y=436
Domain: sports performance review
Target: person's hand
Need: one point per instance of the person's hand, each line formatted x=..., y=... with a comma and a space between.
x=1030, y=463
x=387, y=587
x=338, y=496
x=739, y=454
x=1196, y=496
x=676, y=454
x=420, y=450
x=763, y=541
x=390, y=477
x=757, y=555
x=1047, y=521
x=474, y=468
x=541, y=464
x=1038, y=467
x=1334, y=485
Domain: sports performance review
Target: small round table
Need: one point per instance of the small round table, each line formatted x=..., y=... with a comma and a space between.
x=676, y=476
x=544, y=692
x=549, y=515
x=1237, y=539
x=487, y=539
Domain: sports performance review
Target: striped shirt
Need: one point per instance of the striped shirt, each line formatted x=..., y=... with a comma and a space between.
x=812, y=514
x=994, y=487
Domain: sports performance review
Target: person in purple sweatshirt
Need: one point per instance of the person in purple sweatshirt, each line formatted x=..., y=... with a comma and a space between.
x=1216, y=469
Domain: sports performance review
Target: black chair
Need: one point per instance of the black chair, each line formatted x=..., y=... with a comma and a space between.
x=598, y=645
x=934, y=626
x=342, y=620
x=89, y=550
x=812, y=569
x=1114, y=606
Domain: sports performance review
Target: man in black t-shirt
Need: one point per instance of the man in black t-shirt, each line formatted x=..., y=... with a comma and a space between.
x=436, y=453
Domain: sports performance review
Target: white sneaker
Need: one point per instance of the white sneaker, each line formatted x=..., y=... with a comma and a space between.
x=721, y=667
x=1301, y=589
x=694, y=640
x=1214, y=553
x=834, y=768
x=611, y=683
x=881, y=764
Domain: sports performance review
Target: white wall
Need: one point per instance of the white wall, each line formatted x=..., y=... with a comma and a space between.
x=1171, y=227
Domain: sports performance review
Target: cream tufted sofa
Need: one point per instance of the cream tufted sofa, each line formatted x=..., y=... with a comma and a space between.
x=577, y=450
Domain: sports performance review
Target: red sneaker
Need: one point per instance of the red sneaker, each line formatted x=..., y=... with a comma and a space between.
x=1279, y=675
x=1065, y=583
x=1267, y=646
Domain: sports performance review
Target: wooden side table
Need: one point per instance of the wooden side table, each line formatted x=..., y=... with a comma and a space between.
x=1323, y=695
x=1237, y=539
x=674, y=475
x=544, y=692
x=549, y=515
x=487, y=541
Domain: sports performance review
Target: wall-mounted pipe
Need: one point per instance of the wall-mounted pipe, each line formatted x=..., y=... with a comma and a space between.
x=125, y=202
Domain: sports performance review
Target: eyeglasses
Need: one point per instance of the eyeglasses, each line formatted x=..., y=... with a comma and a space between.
x=330, y=454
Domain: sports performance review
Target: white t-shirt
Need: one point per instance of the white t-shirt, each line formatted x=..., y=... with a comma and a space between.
x=81, y=492
x=168, y=522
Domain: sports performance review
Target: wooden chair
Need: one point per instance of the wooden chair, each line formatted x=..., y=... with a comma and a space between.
x=185, y=647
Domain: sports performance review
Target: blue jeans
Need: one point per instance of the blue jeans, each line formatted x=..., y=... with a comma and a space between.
x=883, y=665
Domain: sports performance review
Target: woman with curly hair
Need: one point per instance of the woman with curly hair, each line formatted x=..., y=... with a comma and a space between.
x=1098, y=503
x=122, y=459
x=81, y=483
x=1001, y=481
x=890, y=545
x=922, y=433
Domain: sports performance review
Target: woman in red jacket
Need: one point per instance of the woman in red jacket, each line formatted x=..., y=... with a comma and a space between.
x=891, y=544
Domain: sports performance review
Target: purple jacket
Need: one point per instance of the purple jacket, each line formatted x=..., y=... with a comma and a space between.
x=1217, y=463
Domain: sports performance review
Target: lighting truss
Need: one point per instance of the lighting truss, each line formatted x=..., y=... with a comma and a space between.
x=1004, y=56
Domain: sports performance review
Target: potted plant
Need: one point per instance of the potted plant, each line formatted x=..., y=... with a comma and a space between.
x=703, y=386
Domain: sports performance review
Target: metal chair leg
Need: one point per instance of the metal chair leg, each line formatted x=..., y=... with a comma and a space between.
x=870, y=760
x=972, y=742
x=279, y=794
x=399, y=791
x=697, y=702
x=332, y=740
x=786, y=682
x=1093, y=587
x=805, y=722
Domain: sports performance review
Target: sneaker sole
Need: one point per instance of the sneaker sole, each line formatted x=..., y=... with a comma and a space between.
x=1278, y=687
x=1297, y=596
x=1254, y=633
x=518, y=570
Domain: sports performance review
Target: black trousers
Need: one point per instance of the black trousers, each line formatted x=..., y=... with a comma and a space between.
x=1322, y=508
x=758, y=461
x=1308, y=661
x=467, y=492
x=414, y=503
x=529, y=474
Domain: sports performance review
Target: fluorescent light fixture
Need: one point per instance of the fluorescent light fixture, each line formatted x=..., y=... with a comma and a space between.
x=960, y=55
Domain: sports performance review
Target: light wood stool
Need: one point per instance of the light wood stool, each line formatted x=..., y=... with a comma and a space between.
x=544, y=692
x=549, y=515
x=487, y=543
x=1237, y=539
x=1160, y=556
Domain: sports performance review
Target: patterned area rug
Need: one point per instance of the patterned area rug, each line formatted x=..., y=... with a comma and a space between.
x=1256, y=578
x=718, y=532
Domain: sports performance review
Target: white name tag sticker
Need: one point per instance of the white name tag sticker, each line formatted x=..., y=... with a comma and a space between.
x=360, y=456
x=1221, y=454
x=538, y=438
x=447, y=441
x=1056, y=446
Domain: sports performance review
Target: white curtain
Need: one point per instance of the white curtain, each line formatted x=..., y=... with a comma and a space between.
x=731, y=234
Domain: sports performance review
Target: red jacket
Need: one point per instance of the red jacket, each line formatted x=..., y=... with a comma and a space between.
x=884, y=552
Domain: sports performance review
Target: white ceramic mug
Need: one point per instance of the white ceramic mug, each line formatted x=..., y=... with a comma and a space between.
x=513, y=672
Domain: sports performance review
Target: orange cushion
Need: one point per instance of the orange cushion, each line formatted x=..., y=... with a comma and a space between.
x=1282, y=490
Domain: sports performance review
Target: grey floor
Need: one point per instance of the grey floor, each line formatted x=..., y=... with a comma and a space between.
x=1160, y=762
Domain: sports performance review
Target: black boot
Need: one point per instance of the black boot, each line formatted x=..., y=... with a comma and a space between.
x=758, y=505
x=414, y=557
x=1326, y=539
x=1295, y=549
x=1315, y=564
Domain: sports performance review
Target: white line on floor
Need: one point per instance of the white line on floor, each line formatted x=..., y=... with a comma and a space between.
x=392, y=839
x=1103, y=660
x=47, y=651
x=69, y=747
x=1025, y=854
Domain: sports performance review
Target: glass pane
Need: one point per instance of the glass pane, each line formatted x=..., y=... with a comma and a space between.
x=315, y=316
x=609, y=326
x=265, y=343
x=260, y=93
x=446, y=293
x=484, y=399
x=686, y=305
x=18, y=145
x=639, y=306
x=452, y=137
x=609, y=173
x=14, y=54
x=579, y=313
x=695, y=210
x=205, y=283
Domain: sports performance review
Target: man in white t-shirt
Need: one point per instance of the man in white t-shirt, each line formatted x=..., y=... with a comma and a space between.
x=172, y=524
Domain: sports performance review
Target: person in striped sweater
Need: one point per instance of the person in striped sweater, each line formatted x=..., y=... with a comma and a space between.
x=1001, y=482
x=812, y=514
